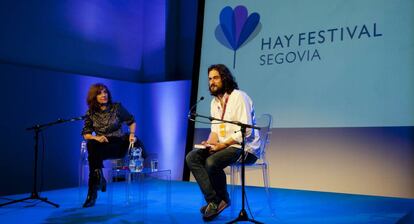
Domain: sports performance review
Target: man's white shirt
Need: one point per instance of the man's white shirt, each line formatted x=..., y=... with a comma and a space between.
x=239, y=107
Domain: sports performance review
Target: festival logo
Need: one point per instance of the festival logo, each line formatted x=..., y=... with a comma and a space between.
x=237, y=28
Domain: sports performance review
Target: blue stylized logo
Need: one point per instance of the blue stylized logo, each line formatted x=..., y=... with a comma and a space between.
x=237, y=28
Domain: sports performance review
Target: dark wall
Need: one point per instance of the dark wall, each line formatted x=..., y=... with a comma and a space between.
x=180, y=42
x=52, y=51
x=131, y=40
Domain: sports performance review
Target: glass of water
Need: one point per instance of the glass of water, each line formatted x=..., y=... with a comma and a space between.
x=154, y=165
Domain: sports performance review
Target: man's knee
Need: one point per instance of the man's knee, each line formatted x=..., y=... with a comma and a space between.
x=211, y=166
x=189, y=158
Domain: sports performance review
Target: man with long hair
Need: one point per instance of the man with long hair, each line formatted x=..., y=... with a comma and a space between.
x=223, y=146
x=106, y=140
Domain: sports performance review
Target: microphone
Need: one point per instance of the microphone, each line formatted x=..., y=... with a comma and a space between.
x=191, y=109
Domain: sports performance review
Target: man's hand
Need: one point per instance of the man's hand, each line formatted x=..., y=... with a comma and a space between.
x=101, y=139
x=217, y=147
x=207, y=144
x=213, y=147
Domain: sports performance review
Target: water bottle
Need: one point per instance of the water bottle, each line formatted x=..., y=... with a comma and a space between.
x=136, y=162
x=131, y=163
x=139, y=162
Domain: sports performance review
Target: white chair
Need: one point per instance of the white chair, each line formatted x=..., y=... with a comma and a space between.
x=265, y=124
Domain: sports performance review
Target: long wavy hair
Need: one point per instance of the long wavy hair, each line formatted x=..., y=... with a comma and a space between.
x=227, y=79
x=93, y=92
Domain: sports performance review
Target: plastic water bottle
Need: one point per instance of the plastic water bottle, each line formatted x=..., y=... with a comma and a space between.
x=136, y=162
x=139, y=163
x=131, y=163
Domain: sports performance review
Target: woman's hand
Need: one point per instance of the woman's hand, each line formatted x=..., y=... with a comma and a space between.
x=101, y=138
x=132, y=138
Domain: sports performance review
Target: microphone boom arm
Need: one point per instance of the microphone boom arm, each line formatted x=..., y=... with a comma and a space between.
x=225, y=121
x=58, y=121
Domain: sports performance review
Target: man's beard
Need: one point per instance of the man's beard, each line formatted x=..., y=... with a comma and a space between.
x=217, y=92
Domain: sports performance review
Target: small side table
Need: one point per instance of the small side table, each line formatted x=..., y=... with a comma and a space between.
x=136, y=185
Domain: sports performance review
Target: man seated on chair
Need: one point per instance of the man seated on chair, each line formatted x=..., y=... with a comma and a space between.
x=223, y=146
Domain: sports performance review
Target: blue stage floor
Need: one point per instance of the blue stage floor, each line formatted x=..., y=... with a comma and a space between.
x=290, y=206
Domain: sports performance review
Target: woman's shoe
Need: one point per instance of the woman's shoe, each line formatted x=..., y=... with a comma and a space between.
x=91, y=198
x=103, y=188
x=93, y=185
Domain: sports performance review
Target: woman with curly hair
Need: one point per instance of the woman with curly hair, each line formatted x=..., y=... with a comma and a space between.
x=103, y=131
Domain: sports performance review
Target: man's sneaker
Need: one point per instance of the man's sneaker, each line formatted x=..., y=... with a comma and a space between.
x=213, y=210
x=203, y=209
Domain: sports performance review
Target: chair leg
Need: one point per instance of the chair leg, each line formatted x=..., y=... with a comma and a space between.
x=83, y=181
x=235, y=176
x=266, y=186
x=128, y=187
x=233, y=180
x=232, y=172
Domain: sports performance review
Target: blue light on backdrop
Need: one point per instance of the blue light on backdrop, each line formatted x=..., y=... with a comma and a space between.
x=50, y=54
x=41, y=96
x=165, y=123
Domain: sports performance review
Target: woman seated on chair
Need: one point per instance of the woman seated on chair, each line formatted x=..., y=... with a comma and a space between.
x=105, y=119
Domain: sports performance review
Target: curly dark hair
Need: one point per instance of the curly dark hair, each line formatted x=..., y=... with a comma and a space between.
x=93, y=92
x=228, y=80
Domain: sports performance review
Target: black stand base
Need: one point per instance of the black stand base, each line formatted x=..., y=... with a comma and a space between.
x=33, y=196
x=243, y=217
x=37, y=129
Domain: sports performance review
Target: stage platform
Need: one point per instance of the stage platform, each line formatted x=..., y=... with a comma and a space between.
x=289, y=206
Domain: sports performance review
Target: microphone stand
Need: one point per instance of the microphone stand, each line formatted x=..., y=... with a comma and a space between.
x=243, y=216
x=37, y=129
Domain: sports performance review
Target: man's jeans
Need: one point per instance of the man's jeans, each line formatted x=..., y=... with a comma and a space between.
x=208, y=171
